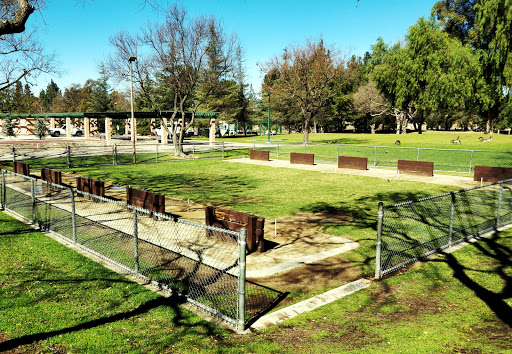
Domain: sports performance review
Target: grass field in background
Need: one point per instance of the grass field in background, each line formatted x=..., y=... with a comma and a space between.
x=55, y=300
x=429, y=139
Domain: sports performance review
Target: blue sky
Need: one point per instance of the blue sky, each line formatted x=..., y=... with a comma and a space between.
x=79, y=34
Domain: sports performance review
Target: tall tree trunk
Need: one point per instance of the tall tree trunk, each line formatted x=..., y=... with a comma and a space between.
x=307, y=121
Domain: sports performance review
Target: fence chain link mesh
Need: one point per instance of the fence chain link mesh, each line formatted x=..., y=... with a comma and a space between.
x=76, y=155
x=445, y=160
x=197, y=261
x=414, y=230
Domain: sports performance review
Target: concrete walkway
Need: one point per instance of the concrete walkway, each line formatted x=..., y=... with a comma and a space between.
x=308, y=305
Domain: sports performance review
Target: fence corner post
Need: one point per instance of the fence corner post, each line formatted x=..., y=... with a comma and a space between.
x=500, y=202
x=68, y=153
x=73, y=215
x=378, y=256
x=452, y=216
x=241, y=279
x=135, y=241
x=34, y=206
x=3, y=190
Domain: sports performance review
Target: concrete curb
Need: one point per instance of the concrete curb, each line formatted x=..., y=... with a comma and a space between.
x=308, y=305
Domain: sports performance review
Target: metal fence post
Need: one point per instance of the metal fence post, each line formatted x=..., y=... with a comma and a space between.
x=378, y=254
x=156, y=152
x=452, y=216
x=3, y=190
x=135, y=241
x=73, y=215
x=337, y=152
x=471, y=162
x=115, y=154
x=241, y=279
x=222, y=149
x=375, y=157
x=254, y=144
x=418, y=156
x=278, y=148
x=193, y=152
x=13, y=154
x=500, y=198
x=305, y=148
x=34, y=209
x=68, y=148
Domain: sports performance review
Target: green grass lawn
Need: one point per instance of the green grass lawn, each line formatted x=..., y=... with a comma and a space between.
x=275, y=192
x=429, y=139
x=53, y=299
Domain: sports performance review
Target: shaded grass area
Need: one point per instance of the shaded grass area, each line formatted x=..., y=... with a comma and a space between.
x=460, y=302
x=54, y=299
x=276, y=192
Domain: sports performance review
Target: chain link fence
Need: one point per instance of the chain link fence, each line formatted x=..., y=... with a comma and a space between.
x=80, y=155
x=410, y=231
x=204, y=264
x=445, y=160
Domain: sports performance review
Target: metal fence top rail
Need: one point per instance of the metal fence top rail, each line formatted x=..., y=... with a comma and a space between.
x=379, y=146
x=131, y=207
x=121, y=115
x=410, y=202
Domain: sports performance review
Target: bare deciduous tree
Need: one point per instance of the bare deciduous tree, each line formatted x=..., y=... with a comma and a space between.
x=178, y=57
x=306, y=76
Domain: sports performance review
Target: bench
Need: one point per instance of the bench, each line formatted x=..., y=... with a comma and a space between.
x=298, y=158
x=21, y=168
x=51, y=176
x=422, y=168
x=356, y=163
x=261, y=155
x=152, y=201
x=234, y=221
x=89, y=185
x=492, y=174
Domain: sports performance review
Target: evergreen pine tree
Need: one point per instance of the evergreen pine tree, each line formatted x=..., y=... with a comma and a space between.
x=41, y=129
x=9, y=126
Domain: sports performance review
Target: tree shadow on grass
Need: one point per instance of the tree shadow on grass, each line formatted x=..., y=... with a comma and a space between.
x=501, y=258
x=172, y=302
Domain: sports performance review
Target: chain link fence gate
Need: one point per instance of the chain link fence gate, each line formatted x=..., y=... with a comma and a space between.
x=411, y=231
x=204, y=264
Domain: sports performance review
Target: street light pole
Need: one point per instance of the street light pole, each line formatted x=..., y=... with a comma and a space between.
x=131, y=59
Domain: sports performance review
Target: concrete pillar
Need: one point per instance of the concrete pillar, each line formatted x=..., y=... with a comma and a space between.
x=212, y=131
x=165, y=134
x=87, y=128
x=68, y=127
x=52, y=123
x=108, y=130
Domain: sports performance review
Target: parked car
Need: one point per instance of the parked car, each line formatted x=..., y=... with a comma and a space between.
x=62, y=131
